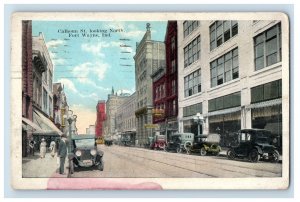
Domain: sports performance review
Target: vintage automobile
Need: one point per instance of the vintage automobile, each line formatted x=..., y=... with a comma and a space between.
x=157, y=142
x=177, y=142
x=108, y=142
x=84, y=153
x=204, y=144
x=254, y=144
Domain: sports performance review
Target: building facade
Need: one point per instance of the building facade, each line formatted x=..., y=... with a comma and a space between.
x=27, y=91
x=171, y=100
x=150, y=55
x=230, y=72
x=91, y=130
x=60, y=107
x=125, y=117
x=101, y=116
x=113, y=102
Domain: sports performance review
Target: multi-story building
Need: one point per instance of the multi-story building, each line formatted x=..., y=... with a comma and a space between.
x=60, y=107
x=171, y=100
x=27, y=91
x=101, y=116
x=113, y=102
x=125, y=117
x=230, y=72
x=91, y=130
x=150, y=55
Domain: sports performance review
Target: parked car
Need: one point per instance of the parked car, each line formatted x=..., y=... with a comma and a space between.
x=254, y=144
x=204, y=144
x=84, y=153
x=178, y=141
x=157, y=142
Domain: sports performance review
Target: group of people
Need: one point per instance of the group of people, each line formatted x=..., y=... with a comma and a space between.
x=57, y=149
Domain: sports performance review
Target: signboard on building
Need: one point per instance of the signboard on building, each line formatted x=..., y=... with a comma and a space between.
x=151, y=126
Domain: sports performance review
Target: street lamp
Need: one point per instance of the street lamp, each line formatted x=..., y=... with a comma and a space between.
x=70, y=118
x=199, y=119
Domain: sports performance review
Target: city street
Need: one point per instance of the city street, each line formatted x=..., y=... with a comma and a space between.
x=138, y=162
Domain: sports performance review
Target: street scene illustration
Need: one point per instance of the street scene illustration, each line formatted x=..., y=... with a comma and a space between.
x=152, y=99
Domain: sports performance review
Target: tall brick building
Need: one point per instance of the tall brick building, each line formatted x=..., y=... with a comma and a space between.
x=101, y=115
x=26, y=82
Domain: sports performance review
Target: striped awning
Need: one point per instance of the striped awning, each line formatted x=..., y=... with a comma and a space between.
x=224, y=111
x=265, y=104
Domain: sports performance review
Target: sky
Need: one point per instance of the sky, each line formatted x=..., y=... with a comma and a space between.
x=89, y=59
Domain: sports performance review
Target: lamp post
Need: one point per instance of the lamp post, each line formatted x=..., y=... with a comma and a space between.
x=199, y=119
x=70, y=118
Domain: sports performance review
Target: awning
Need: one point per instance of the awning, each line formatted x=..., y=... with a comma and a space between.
x=224, y=111
x=265, y=104
x=46, y=124
x=29, y=125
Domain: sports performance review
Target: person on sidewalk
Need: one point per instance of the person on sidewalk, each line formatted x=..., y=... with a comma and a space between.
x=43, y=148
x=62, y=153
x=53, y=148
x=32, y=145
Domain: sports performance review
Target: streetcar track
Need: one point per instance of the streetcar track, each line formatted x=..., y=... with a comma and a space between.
x=226, y=164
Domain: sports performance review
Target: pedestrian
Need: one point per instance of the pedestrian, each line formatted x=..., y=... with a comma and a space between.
x=31, y=145
x=43, y=148
x=53, y=148
x=62, y=153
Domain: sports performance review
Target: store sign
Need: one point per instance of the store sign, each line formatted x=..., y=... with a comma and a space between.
x=151, y=126
x=158, y=112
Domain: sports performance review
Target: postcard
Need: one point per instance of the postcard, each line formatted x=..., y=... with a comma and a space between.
x=150, y=101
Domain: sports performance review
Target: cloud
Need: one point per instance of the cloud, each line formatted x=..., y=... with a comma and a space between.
x=95, y=49
x=55, y=60
x=125, y=91
x=68, y=84
x=87, y=69
x=54, y=43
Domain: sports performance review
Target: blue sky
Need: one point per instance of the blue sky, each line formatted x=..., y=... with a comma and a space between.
x=89, y=66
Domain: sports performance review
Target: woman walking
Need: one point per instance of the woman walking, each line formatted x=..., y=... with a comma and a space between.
x=43, y=148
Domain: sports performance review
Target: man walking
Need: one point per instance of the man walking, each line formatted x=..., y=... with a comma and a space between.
x=62, y=153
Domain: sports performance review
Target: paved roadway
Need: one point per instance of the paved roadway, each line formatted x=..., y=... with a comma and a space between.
x=138, y=162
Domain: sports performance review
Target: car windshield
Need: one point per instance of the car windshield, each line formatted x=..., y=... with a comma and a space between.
x=85, y=143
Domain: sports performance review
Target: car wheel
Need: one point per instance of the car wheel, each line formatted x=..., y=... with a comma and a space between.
x=274, y=157
x=254, y=156
x=230, y=154
x=178, y=149
x=202, y=151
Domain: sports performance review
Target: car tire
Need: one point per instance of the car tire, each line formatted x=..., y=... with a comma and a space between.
x=230, y=154
x=178, y=150
x=254, y=156
x=274, y=156
x=203, y=151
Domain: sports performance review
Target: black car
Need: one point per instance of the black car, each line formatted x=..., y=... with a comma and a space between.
x=84, y=153
x=254, y=144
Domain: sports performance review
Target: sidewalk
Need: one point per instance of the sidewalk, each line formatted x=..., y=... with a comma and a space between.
x=35, y=167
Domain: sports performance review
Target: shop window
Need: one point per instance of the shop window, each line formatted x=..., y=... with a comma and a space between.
x=266, y=91
x=225, y=68
x=267, y=47
x=222, y=31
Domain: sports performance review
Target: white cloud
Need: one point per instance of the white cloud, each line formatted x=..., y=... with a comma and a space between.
x=54, y=43
x=125, y=91
x=68, y=84
x=95, y=49
x=86, y=69
x=55, y=60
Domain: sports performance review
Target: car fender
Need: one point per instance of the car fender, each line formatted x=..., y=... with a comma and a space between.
x=259, y=150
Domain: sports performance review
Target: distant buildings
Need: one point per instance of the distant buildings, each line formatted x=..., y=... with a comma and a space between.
x=90, y=130
x=101, y=116
x=149, y=57
x=113, y=102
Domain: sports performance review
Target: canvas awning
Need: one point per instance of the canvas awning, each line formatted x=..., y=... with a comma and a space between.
x=224, y=111
x=29, y=125
x=265, y=104
x=48, y=127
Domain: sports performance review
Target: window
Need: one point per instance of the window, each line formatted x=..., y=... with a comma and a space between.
x=268, y=91
x=192, y=83
x=225, y=102
x=267, y=47
x=174, y=107
x=225, y=68
x=45, y=78
x=50, y=107
x=45, y=99
x=189, y=27
x=192, y=110
x=222, y=31
x=50, y=81
x=173, y=43
x=173, y=87
x=192, y=52
x=173, y=65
